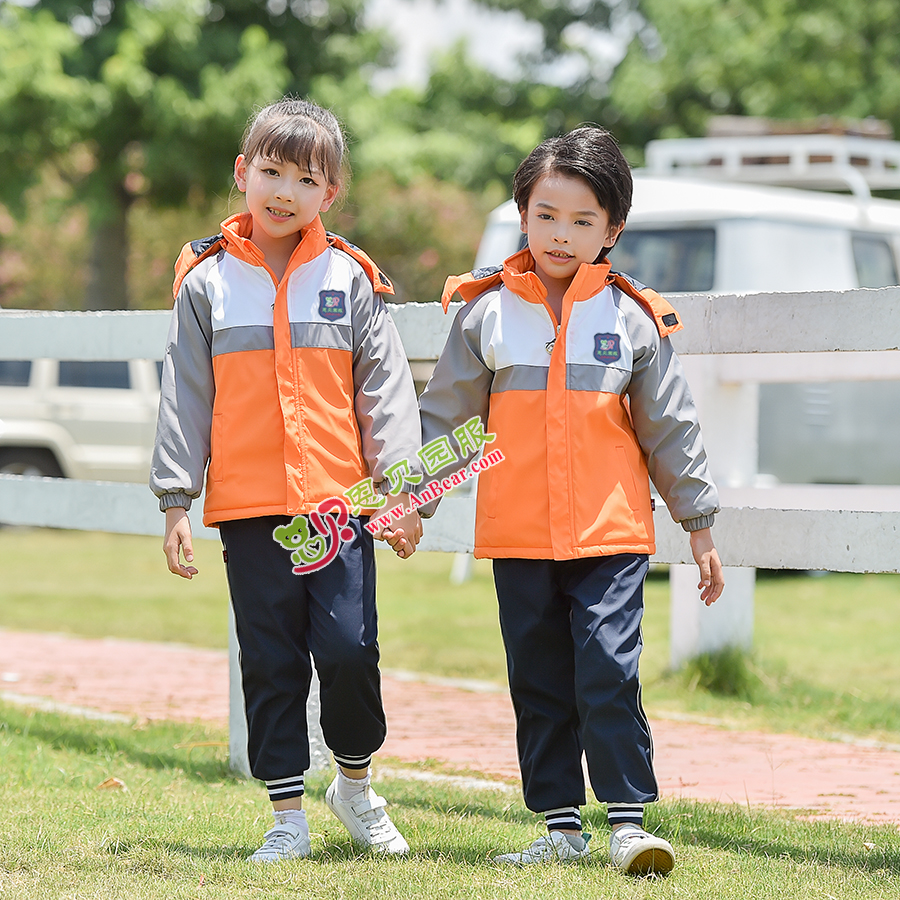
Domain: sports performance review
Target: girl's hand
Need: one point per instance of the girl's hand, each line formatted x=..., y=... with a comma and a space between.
x=177, y=540
x=712, y=579
x=404, y=533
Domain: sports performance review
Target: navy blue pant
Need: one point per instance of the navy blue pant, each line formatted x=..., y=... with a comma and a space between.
x=281, y=618
x=572, y=634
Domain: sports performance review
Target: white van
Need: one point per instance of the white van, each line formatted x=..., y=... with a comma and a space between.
x=695, y=233
x=78, y=419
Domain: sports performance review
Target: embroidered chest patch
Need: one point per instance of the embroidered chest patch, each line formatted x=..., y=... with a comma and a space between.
x=606, y=347
x=332, y=305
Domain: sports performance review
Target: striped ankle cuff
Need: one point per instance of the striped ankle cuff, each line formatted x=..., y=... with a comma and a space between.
x=353, y=762
x=620, y=813
x=285, y=788
x=565, y=818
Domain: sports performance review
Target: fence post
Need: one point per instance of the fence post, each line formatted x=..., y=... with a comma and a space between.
x=729, y=417
x=238, y=759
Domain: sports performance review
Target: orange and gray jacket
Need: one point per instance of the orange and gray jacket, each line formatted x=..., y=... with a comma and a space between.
x=582, y=410
x=292, y=391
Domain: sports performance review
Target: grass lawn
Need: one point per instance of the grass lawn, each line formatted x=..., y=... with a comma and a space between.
x=182, y=826
x=825, y=659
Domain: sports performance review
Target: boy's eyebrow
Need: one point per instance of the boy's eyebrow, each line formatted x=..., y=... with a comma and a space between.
x=543, y=204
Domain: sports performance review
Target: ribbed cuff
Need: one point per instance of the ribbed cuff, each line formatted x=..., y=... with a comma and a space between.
x=405, y=488
x=176, y=498
x=699, y=522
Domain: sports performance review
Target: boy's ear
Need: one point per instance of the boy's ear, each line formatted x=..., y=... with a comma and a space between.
x=240, y=172
x=523, y=221
x=613, y=234
x=330, y=196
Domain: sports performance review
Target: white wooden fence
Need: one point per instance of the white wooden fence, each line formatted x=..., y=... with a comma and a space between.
x=729, y=346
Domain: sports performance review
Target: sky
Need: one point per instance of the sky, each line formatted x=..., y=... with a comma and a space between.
x=495, y=39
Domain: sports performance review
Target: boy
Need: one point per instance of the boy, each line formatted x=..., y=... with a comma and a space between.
x=570, y=368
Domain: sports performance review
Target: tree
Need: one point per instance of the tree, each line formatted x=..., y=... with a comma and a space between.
x=154, y=95
x=429, y=164
x=778, y=58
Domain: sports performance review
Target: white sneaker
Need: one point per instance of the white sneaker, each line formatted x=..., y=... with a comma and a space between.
x=365, y=818
x=551, y=847
x=287, y=841
x=636, y=852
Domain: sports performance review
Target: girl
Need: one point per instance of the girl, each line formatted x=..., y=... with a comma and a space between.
x=570, y=368
x=285, y=373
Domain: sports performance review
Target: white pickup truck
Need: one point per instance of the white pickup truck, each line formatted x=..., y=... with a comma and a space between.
x=77, y=419
x=694, y=227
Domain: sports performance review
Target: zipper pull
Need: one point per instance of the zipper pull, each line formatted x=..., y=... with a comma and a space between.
x=551, y=344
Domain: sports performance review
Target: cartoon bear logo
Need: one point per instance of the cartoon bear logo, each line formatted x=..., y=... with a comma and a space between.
x=606, y=348
x=331, y=305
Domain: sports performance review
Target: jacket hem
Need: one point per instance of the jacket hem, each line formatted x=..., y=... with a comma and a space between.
x=548, y=553
x=211, y=518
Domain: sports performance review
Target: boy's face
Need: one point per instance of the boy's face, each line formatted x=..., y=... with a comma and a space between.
x=566, y=226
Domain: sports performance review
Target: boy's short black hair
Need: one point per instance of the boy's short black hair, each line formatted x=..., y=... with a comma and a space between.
x=588, y=152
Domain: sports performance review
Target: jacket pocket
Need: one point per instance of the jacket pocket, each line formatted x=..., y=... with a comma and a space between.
x=216, y=466
x=626, y=477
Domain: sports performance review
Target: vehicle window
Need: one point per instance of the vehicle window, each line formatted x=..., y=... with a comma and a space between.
x=90, y=374
x=668, y=259
x=875, y=264
x=15, y=372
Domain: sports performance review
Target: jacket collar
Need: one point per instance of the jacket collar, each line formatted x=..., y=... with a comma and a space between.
x=518, y=274
x=520, y=277
x=237, y=229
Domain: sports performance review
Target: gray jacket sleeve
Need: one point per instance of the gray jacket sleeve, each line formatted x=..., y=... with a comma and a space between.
x=187, y=390
x=385, y=395
x=665, y=420
x=459, y=388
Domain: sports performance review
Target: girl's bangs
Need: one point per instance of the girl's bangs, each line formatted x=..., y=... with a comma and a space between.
x=298, y=140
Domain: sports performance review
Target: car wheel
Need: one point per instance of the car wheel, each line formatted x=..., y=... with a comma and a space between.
x=38, y=462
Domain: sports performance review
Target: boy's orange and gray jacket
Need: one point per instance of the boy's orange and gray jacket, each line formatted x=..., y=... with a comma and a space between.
x=294, y=392
x=582, y=410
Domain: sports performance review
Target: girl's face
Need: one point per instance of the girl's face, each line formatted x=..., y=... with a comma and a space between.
x=566, y=226
x=282, y=197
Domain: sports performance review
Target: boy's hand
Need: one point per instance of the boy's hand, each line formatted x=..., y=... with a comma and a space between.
x=712, y=579
x=178, y=539
x=404, y=533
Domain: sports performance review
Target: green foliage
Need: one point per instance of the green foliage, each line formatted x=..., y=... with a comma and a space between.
x=130, y=108
x=41, y=108
x=782, y=58
x=156, y=95
x=428, y=166
x=178, y=825
x=726, y=672
x=418, y=232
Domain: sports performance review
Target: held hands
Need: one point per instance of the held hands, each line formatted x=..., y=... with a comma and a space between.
x=712, y=579
x=404, y=533
x=177, y=540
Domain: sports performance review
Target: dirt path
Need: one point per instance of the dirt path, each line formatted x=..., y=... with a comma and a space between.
x=467, y=729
